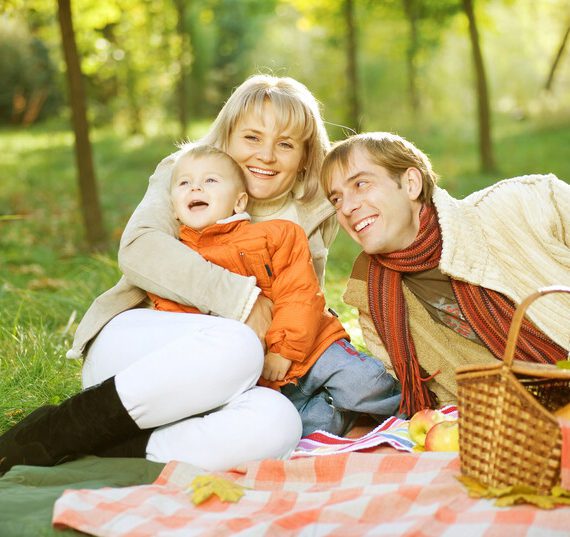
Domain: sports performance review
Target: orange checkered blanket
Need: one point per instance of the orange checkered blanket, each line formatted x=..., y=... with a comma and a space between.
x=350, y=494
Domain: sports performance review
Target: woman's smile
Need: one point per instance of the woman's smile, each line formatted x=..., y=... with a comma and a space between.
x=262, y=172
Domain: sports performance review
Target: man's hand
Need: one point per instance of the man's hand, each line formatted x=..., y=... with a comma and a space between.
x=260, y=318
x=275, y=366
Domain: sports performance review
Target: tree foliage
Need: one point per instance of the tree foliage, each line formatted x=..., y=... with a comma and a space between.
x=29, y=87
x=410, y=58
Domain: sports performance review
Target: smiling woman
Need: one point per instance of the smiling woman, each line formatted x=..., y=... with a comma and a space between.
x=173, y=386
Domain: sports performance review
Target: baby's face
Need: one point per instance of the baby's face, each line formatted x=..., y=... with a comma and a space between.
x=205, y=190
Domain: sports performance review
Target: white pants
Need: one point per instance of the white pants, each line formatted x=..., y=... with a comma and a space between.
x=194, y=377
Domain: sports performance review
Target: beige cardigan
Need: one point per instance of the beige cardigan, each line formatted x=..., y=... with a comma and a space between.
x=512, y=237
x=152, y=259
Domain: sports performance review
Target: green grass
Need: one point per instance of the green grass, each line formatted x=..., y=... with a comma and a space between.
x=48, y=279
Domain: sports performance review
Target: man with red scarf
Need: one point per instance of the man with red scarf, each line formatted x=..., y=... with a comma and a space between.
x=439, y=278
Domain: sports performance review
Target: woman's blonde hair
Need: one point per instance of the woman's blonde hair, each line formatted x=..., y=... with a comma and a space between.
x=385, y=149
x=296, y=110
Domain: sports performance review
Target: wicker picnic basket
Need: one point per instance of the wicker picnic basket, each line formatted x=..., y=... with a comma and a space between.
x=507, y=432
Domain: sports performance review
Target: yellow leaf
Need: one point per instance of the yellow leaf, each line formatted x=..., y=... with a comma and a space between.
x=516, y=494
x=498, y=492
x=559, y=492
x=544, y=502
x=205, y=486
x=475, y=488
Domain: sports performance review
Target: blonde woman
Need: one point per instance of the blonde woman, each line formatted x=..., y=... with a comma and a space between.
x=149, y=390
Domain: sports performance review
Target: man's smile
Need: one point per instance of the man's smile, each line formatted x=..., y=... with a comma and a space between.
x=369, y=220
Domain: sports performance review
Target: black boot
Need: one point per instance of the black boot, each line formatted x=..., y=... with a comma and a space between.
x=83, y=424
x=135, y=446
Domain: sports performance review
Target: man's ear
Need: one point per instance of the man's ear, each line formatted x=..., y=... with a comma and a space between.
x=241, y=202
x=414, y=183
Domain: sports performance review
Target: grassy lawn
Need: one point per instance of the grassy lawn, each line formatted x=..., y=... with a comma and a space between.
x=47, y=280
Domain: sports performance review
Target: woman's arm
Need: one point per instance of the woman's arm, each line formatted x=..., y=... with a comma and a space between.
x=152, y=258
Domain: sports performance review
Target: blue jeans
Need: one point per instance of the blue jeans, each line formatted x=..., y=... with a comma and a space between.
x=342, y=384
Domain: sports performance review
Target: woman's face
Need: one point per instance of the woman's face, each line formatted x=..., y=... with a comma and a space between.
x=269, y=156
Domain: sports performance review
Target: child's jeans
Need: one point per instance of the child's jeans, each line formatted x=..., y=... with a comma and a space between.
x=342, y=383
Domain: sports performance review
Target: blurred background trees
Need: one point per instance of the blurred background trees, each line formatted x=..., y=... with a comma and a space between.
x=373, y=64
x=151, y=68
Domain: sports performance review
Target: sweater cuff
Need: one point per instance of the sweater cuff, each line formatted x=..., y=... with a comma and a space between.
x=73, y=354
x=249, y=304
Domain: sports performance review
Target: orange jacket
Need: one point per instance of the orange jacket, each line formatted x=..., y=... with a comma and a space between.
x=277, y=253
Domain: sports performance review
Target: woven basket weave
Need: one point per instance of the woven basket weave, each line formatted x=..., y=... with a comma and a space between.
x=507, y=433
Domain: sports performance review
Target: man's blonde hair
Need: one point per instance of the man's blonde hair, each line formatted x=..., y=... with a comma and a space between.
x=203, y=150
x=385, y=149
x=297, y=111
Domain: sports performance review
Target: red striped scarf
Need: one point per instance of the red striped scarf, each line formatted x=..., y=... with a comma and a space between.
x=488, y=312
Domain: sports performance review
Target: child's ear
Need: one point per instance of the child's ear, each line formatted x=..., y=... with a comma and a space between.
x=241, y=202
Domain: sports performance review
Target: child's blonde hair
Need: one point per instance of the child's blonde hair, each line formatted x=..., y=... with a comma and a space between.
x=204, y=150
x=296, y=110
x=385, y=149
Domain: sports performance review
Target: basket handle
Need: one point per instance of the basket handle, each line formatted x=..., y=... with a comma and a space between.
x=519, y=315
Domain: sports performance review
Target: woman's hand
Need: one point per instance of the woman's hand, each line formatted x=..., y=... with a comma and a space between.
x=275, y=366
x=260, y=318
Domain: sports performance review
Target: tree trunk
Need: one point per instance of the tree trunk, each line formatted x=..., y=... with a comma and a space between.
x=182, y=61
x=411, y=10
x=556, y=62
x=485, y=142
x=135, y=116
x=90, y=207
x=352, y=67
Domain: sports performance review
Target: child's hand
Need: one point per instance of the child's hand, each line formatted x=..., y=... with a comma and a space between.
x=275, y=366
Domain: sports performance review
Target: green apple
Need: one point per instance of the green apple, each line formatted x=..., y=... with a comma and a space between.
x=443, y=436
x=422, y=421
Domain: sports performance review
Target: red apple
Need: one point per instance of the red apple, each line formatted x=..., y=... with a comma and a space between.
x=443, y=436
x=421, y=422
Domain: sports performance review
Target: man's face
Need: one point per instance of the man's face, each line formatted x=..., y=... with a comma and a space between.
x=381, y=215
x=205, y=190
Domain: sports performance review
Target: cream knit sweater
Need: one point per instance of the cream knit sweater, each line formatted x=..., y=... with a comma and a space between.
x=512, y=237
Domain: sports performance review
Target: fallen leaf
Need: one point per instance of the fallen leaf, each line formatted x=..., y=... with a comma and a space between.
x=205, y=486
x=498, y=492
x=516, y=494
x=544, y=502
x=474, y=487
x=560, y=492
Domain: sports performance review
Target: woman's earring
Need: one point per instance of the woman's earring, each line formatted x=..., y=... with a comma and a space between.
x=301, y=174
